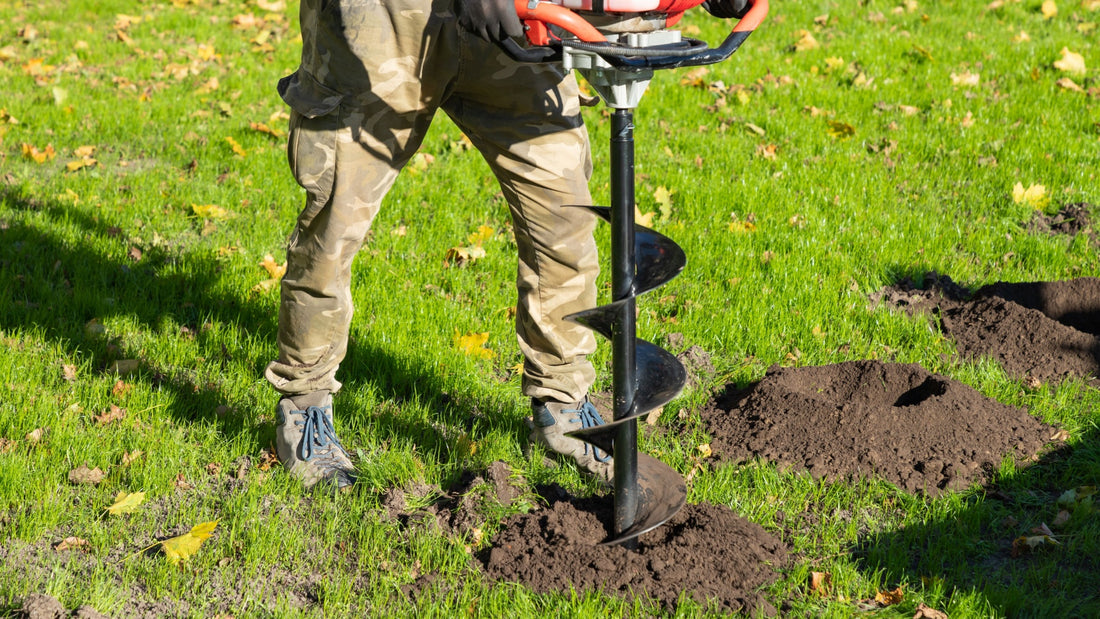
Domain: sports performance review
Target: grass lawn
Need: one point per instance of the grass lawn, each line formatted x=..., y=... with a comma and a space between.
x=144, y=207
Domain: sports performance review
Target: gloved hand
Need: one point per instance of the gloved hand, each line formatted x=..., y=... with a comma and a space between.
x=492, y=20
x=728, y=9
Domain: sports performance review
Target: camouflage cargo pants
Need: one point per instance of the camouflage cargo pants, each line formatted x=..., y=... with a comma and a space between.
x=373, y=74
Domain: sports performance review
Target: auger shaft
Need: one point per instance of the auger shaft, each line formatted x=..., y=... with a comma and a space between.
x=623, y=342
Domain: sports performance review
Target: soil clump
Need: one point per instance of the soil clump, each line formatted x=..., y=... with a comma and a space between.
x=923, y=432
x=705, y=552
x=1037, y=331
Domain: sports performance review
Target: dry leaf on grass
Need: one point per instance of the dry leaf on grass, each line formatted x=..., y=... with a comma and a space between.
x=86, y=476
x=181, y=547
x=71, y=543
x=126, y=503
x=473, y=344
x=927, y=612
x=115, y=413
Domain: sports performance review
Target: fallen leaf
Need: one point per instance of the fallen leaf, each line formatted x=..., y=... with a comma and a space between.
x=84, y=475
x=1061, y=519
x=1067, y=84
x=755, y=129
x=1072, y=497
x=663, y=197
x=461, y=256
x=806, y=41
x=268, y=458
x=1034, y=196
x=262, y=128
x=124, y=367
x=120, y=389
x=125, y=503
x=182, y=547
x=181, y=482
x=214, y=468
x=927, y=612
x=966, y=78
x=274, y=7
x=6, y=445
x=38, y=156
x=820, y=581
x=840, y=130
x=71, y=543
x=889, y=598
x=209, y=211
x=420, y=163
x=68, y=372
x=274, y=269
x=237, y=148
x=1070, y=62
x=115, y=413
x=1049, y=9
x=483, y=233
x=129, y=457
x=35, y=435
x=704, y=450
x=473, y=344
x=643, y=219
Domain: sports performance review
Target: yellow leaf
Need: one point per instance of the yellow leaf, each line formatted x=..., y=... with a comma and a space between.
x=484, y=233
x=834, y=64
x=840, y=130
x=274, y=269
x=262, y=128
x=84, y=151
x=38, y=156
x=806, y=41
x=966, y=78
x=663, y=197
x=209, y=211
x=1034, y=196
x=126, y=503
x=473, y=344
x=70, y=543
x=1070, y=62
x=704, y=450
x=460, y=256
x=643, y=219
x=181, y=547
x=1049, y=9
x=1068, y=84
x=517, y=369
x=237, y=148
x=889, y=598
x=420, y=162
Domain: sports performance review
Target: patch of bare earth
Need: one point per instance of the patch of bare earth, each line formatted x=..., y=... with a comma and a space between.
x=1037, y=331
x=923, y=432
x=706, y=553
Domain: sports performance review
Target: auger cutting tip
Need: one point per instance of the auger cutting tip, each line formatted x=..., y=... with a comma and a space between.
x=661, y=493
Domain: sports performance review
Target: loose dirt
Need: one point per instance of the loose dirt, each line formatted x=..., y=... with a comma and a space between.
x=923, y=432
x=1037, y=331
x=706, y=552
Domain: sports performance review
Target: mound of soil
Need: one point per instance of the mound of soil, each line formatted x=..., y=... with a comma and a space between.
x=705, y=552
x=1041, y=331
x=923, y=432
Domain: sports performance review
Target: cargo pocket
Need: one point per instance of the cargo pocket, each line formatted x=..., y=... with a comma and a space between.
x=311, y=151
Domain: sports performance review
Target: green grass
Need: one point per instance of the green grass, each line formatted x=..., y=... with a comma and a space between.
x=111, y=263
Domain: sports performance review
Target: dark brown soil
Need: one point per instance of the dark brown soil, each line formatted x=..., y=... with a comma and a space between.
x=1038, y=331
x=705, y=552
x=923, y=432
x=1070, y=220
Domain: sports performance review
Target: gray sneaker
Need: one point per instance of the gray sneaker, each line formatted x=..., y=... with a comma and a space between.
x=306, y=442
x=551, y=420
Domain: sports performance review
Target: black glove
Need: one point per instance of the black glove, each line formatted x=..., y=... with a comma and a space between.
x=492, y=20
x=728, y=9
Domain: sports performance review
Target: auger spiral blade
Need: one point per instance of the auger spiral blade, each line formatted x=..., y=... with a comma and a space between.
x=658, y=258
x=661, y=493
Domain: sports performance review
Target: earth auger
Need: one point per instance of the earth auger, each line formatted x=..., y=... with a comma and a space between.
x=617, y=45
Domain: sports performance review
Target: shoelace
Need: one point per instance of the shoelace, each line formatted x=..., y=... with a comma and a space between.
x=589, y=417
x=318, y=433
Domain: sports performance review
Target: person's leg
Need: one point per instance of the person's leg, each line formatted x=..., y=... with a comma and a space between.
x=363, y=99
x=525, y=120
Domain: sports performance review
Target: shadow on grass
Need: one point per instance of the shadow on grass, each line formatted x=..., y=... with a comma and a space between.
x=977, y=547
x=973, y=550
x=58, y=276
